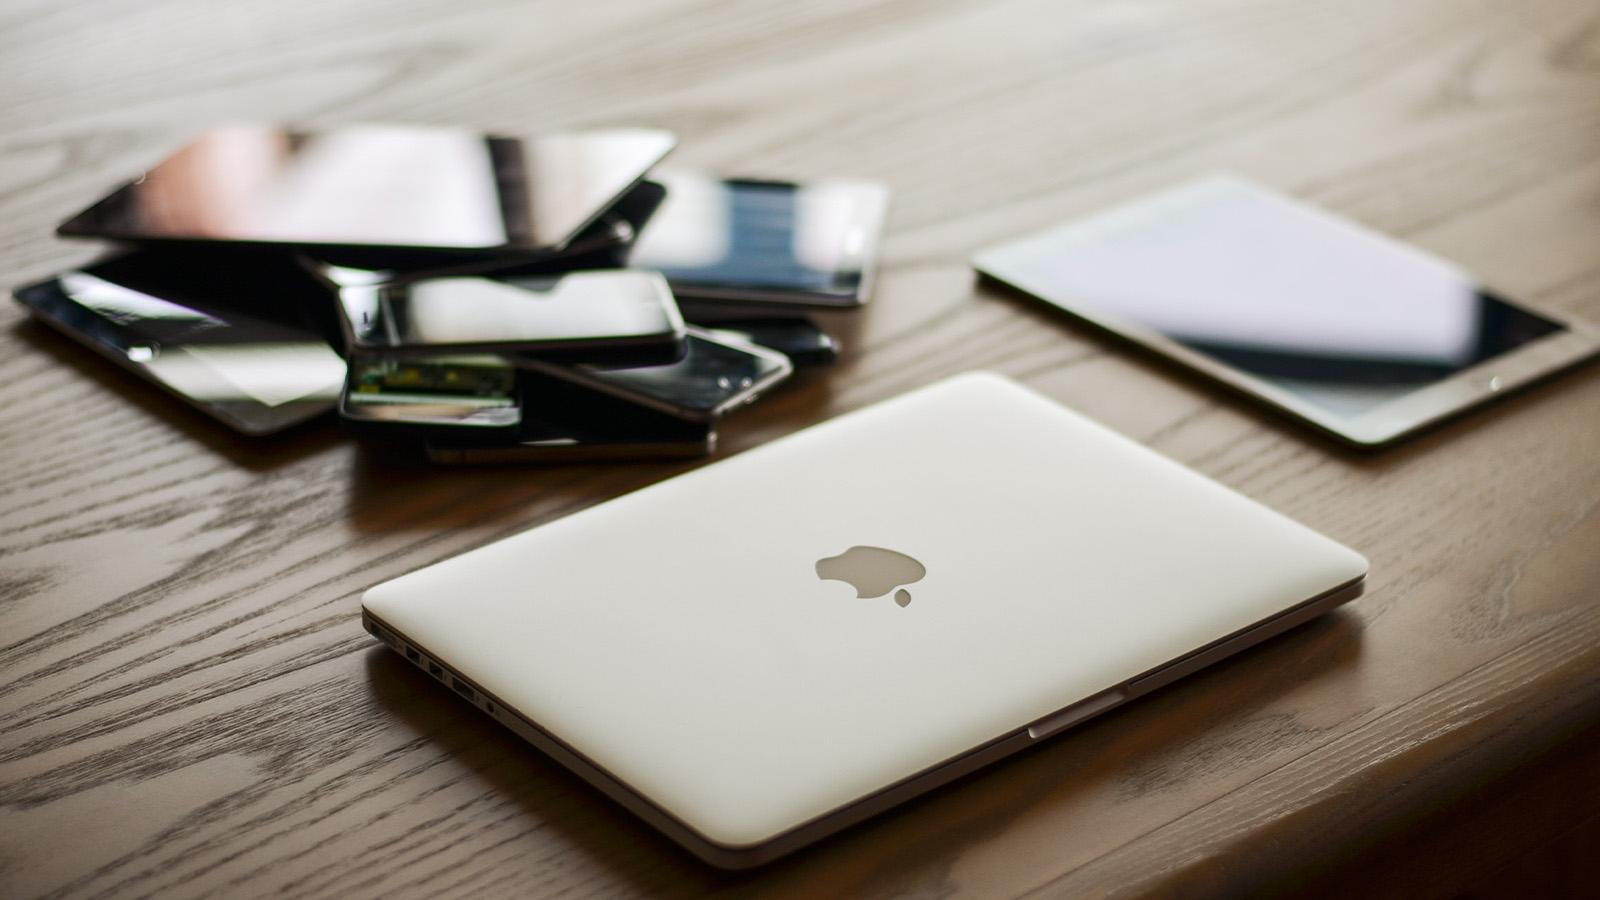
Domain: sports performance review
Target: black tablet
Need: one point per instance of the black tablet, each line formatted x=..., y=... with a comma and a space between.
x=241, y=339
x=404, y=188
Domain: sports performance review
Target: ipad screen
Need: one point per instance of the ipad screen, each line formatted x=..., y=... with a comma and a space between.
x=1341, y=316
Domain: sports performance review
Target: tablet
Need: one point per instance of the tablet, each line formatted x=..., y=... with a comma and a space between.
x=398, y=187
x=1363, y=337
x=765, y=650
x=240, y=339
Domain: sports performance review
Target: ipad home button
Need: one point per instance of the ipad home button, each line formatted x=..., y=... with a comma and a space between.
x=1493, y=384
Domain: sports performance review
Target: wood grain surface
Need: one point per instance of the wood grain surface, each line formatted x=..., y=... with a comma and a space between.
x=188, y=704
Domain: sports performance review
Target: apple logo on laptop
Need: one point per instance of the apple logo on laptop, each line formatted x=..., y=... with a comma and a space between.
x=873, y=572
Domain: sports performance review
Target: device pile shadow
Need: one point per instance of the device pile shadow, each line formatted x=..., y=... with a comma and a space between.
x=392, y=487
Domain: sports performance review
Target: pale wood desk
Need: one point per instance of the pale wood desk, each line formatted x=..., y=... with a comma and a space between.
x=188, y=704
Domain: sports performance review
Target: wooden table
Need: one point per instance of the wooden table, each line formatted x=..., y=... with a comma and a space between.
x=188, y=704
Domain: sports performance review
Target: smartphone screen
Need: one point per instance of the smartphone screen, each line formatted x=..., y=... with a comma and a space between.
x=713, y=377
x=441, y=189
x=237, y=338
x=1342, y=317
x=742, y=239
x=571, y=312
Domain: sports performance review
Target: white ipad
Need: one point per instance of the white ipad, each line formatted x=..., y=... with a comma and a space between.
x=1359, y=335
x=760, y=652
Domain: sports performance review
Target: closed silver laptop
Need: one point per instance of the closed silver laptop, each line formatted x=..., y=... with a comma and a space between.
x=760, y=652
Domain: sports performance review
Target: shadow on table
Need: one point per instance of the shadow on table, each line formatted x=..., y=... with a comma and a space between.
x=393, y=487
x=1161, y=743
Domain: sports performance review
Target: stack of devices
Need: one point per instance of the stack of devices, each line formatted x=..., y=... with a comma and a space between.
x=485, y=298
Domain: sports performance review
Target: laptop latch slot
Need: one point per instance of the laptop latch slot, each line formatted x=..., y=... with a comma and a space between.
x=1077, y=712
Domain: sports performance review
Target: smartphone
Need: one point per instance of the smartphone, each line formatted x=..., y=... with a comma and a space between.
x=765, y=242
x=408, y=188
x=613, y=315
x=1363, y=337
x=562, y=422
x=240, y=339
x=434, y=393
x=714, y=376
x=797, y=338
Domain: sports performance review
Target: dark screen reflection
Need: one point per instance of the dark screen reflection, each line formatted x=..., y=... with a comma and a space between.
x=371, y=186
x=1350, y=384
x=756, y=234
x=242, y=341
x=709, y=374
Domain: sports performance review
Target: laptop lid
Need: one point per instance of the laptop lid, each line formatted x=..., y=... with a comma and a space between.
x=763, y=642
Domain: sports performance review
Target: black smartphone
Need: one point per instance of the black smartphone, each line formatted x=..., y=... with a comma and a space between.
x=562, y=422
x=409, y=188
x=714, y=376
x=241, y=338
x=799, y=339
x=765, y=242
x=611, y=315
